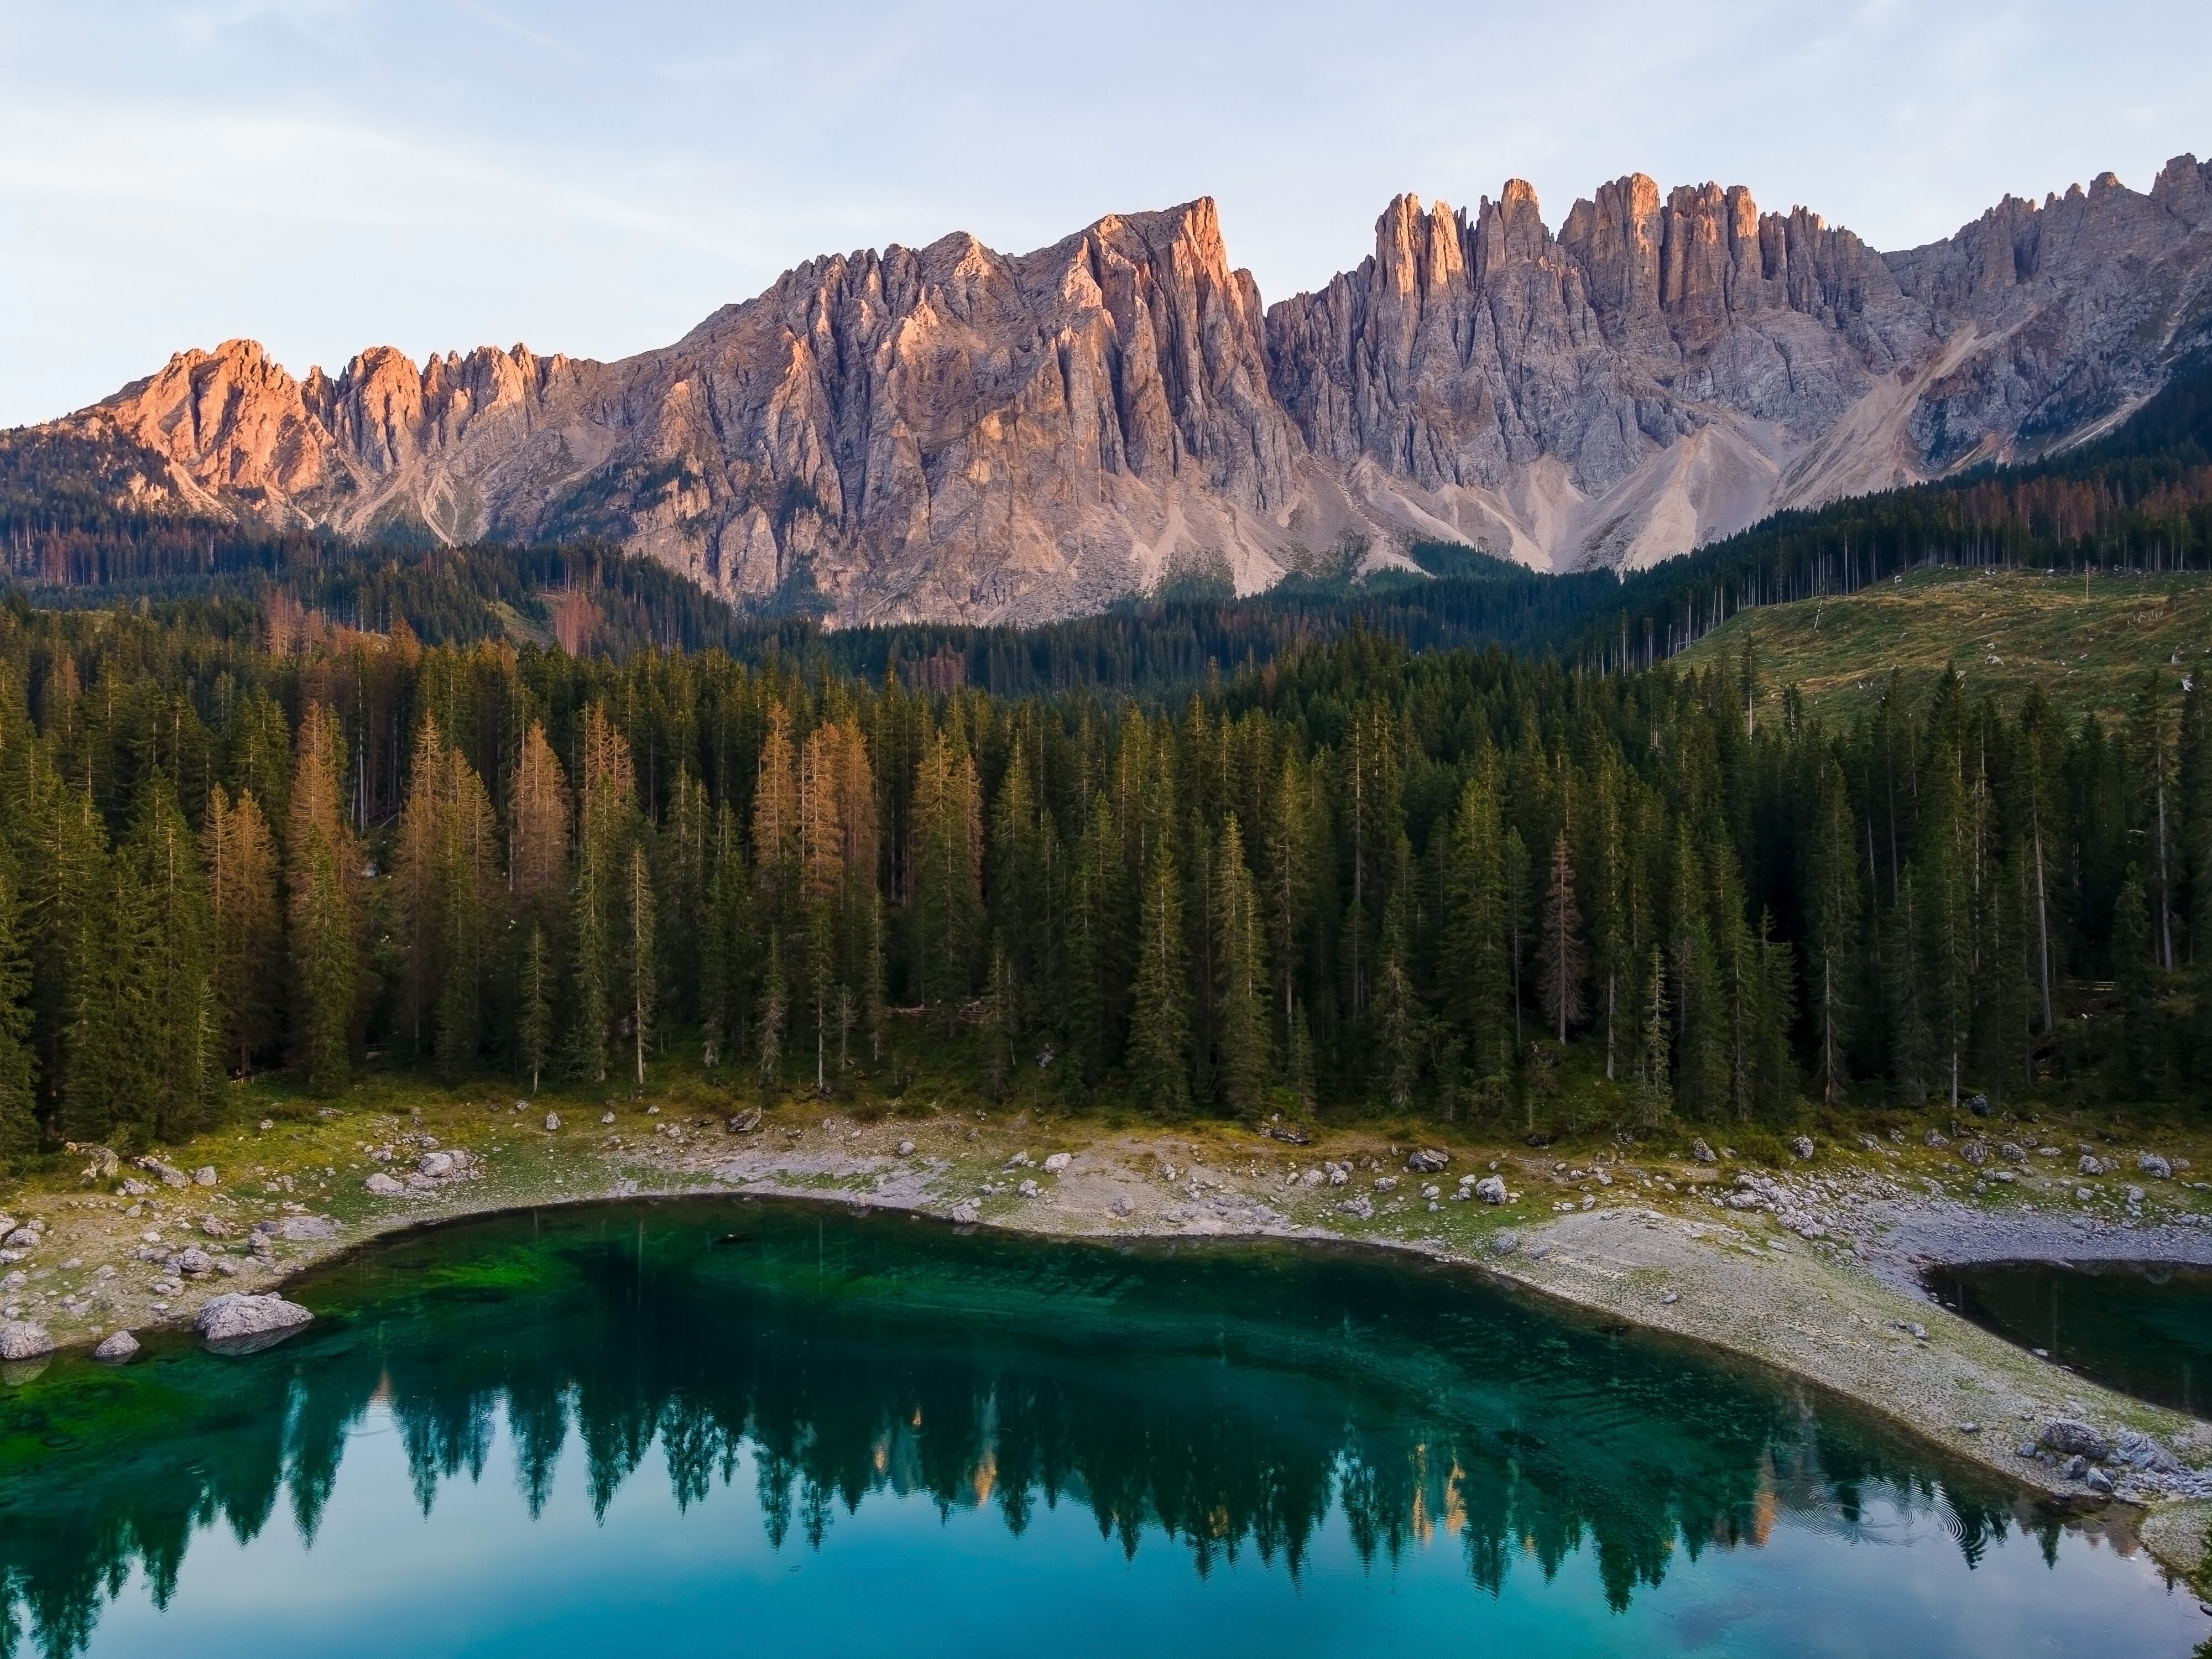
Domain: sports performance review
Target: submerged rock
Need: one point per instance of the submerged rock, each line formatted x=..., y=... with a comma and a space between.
x=238, y=1324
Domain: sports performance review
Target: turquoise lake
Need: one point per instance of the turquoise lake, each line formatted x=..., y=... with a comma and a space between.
x=720, y=1427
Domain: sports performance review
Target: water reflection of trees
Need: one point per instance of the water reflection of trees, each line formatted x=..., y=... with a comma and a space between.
x=1422, y=1413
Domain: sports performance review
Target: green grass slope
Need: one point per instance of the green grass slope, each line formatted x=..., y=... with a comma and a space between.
x=2088, y=642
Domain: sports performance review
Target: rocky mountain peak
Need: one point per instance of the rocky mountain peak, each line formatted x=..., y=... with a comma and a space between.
x=954, y=432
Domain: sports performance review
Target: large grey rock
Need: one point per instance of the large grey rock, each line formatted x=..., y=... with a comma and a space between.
x=22, y=1340
x=1702, y=1153
x=1429, y=1160
x=118, y=1348
x=1490, y=1189
x=241, y=1323
x=2152, y=1165
x=2070, y=1437
x=384, y=1186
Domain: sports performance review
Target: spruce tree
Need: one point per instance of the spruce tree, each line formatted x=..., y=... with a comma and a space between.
x=239, y=854
x=323, y=967
x=182, y=1024
x=1832, y=915
x=19, y=1123
x=1561, y=958
x=1159, y=1022
x=534, y=1030
x=322, y=866
x=537, y=827
x=774, y=1006
x=1400, y=1030
x=2135, y=967
x=644, y=965
x=1701, y=1034
x=1654, y=1092
x=1240, y=956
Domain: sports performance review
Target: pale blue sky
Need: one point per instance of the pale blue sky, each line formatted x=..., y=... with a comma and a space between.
x=327, y=174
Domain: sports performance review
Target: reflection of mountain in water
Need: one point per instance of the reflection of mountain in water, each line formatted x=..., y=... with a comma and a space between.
x=1224, y=1397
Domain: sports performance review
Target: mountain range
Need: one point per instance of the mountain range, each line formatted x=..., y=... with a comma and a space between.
x=952, y=434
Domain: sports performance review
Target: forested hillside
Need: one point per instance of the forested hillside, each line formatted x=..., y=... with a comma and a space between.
x=1456, y=884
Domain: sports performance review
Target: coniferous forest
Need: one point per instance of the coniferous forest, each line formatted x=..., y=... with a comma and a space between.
x=1459, y=885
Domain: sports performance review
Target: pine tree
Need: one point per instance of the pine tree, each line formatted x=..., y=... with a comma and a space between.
x=537, y=827
x=323, y=967
x=468, y=900
x=2134, y=965
x=1831, y=912
x=535, y=1029
x=1561, y=958
x=1240, y=956
x=1773, y=1065
x=1654, y=1096
x=727, y=953
x=19, y=1123
x=774, y=1007
x=1095, y=907
x=997, y=1021
x=1400, y=1034
x=1700, y=1036
x=1943, y=865
x=1517, y=895
x=418, y=879
x=594, y=993
x=947, y=863
x=602, y=927
x=644, y=966
x=321, y=864
x=1911, y=1045
x=239, y=856
x=183, y=1022
x=1159, y=1023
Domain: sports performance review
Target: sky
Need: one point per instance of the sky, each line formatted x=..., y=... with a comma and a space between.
x=325, y=175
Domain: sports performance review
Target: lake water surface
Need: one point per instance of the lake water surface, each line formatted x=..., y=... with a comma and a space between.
x=2142, y=1328
x=709, y=1427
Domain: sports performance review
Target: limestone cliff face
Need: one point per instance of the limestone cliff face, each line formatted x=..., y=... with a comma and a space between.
x=1659, y=374
x=952, y=432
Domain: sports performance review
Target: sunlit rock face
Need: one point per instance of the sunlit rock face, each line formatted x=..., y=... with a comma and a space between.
x=951, y=432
